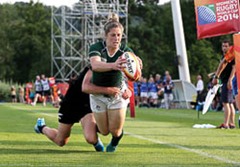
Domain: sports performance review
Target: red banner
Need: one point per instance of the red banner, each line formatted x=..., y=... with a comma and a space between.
x=236, y=41
x=132, y=99
x=63, y=87
x=51, y=81
x=29, y=85
x=216, y=17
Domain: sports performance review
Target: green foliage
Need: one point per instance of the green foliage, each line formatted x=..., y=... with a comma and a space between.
x=151, y=35
x=202, y=59
x=7, y=13
x=25, y=40
x=5, y=89
x=27, y=32
x=151, y=40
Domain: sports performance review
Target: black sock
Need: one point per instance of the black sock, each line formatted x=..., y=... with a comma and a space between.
x=115, y=140
x=96, y=143
x=97, y=130
x=41, y=128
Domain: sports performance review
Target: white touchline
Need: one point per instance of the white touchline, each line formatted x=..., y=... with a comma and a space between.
x=50, y=115
x=184, y=148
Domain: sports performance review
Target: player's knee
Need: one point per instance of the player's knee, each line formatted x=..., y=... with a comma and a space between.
x=61, y=143
x=115, y=132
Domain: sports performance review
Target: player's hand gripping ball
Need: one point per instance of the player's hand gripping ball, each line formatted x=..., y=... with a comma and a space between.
x=132, y=68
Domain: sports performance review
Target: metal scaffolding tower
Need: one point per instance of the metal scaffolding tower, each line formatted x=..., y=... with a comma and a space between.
x=75, y=29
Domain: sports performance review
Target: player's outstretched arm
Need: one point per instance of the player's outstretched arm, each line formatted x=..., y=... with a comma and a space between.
x=98, y=65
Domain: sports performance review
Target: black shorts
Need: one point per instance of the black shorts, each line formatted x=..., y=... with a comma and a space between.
x=39, y=92
x=226, y=94
x=46, y=93
x=75, y=104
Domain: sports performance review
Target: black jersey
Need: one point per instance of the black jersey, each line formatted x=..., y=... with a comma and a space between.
x=227, y=72
x=75, y=104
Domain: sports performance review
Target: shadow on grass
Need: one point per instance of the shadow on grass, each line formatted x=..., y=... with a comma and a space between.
x=46, y=143
x=41, y=151
x=41, y=147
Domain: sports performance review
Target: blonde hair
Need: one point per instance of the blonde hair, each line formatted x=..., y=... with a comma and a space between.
x=113, y=22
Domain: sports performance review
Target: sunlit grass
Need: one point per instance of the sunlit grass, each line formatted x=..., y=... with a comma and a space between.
x=156, y=137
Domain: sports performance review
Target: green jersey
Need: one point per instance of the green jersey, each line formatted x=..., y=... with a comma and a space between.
x=111, y=78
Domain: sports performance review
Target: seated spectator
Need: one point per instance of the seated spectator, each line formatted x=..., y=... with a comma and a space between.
x=144, y=93
x=136, y=86
x=152, y=92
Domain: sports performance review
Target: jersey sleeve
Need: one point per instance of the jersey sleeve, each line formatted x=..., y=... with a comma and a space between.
x=94, y=50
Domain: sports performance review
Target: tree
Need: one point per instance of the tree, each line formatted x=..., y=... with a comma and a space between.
x=202, y=59
x=31, y=38
x=7, y=14
x=25, y=40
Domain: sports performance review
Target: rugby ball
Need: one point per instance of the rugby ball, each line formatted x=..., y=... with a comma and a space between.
x=132, y=68
x=205, y=15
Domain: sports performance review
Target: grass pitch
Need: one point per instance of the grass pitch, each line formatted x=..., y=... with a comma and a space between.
x=156, y=137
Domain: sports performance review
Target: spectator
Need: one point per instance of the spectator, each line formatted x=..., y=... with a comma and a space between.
x=199, y=85
x=38, y=90
x=216, y=103
x=31, y=94
x=159, y=81
x=152, y=92
x=166, y=74
x=200, y=94
x=168, y=95
x=21, y=94
x=144, y=92
x=136, y=86
x=55, y=94
x=235, y=92
x=224, y=71
x=46, y=90
x=13, y=94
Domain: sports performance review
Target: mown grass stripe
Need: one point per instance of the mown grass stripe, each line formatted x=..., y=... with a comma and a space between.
x=185, y=148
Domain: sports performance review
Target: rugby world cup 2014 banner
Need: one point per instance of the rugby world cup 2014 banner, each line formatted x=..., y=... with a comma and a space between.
x=216, y=17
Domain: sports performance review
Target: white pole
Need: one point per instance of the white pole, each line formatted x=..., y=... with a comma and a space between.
x=183, y=68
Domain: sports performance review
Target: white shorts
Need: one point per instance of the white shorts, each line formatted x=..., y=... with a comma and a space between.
x=144, y=94
x=102, y=103
x=168, y=96
x=153, y=95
